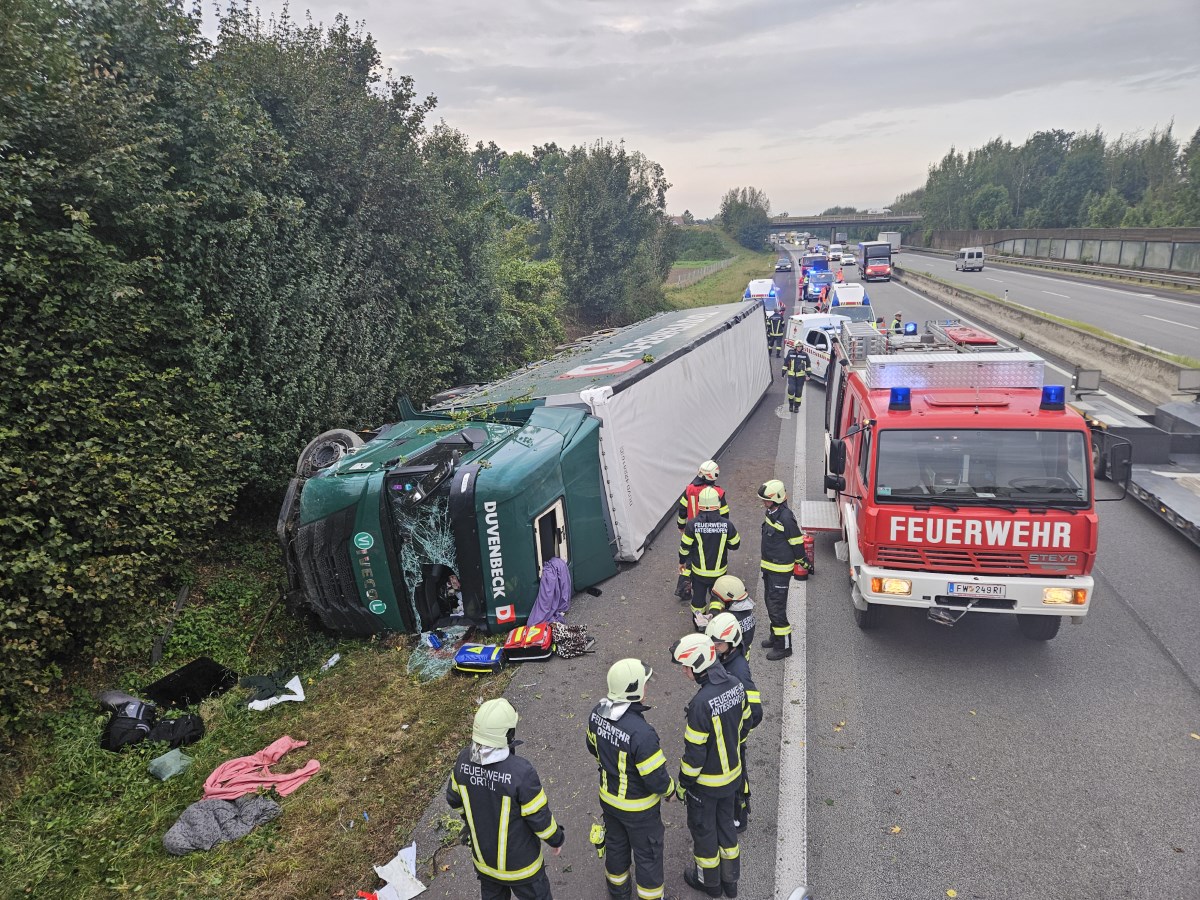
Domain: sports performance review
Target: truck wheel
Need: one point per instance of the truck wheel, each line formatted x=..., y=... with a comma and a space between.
x=1039, y=628
x=326, y=449
x=868, y=618
x=1099, y=458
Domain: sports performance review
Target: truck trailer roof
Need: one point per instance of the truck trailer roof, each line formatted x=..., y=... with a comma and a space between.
x=614, y=359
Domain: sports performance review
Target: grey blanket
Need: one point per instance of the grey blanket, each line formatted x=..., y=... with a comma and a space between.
x=207, y=823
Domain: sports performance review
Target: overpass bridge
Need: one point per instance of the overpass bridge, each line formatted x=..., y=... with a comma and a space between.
x=834, y=222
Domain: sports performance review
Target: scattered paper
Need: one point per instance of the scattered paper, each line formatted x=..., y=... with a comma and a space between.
x=296, y=695
x=331, y=662
x=400, y=873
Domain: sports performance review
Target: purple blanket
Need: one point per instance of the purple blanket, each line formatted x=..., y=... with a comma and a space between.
x=554, y=593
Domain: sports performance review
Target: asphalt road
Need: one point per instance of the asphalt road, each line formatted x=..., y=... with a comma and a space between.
x=1158, y=318
x=1012, y=768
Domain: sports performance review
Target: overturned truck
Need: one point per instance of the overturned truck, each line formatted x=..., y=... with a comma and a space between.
x=580, y=457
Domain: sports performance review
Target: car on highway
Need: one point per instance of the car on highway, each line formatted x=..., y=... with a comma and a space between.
x=848, y=260
x=815, y=282
x=783, y=265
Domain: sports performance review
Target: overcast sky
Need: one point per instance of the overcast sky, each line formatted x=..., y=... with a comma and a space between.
x=816, y=104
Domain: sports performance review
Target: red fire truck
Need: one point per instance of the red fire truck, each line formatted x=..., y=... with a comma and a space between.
x=960, y=482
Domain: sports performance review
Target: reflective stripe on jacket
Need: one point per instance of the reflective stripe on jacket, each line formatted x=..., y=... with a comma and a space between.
x=736, y=665
x=795, y=363
x=705, y=544
x=782, y=540
x=507, y=814
x=712, y=755
x=633, y=770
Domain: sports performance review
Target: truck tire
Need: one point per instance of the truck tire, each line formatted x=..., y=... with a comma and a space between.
x=1039, y=628
x=326, y=449
x=868, y=618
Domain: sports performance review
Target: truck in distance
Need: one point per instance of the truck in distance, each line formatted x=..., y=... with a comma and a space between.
x=875, y=261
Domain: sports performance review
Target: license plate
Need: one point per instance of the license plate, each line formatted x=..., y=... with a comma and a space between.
x=975, y=590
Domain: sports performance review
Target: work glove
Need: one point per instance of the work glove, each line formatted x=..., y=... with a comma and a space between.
x=671, y=791
x=799, y=572
x=680, y=791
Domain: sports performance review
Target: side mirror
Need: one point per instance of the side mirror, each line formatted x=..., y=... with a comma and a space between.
x=837, y=457
x=1120, y=460
x=835, y=483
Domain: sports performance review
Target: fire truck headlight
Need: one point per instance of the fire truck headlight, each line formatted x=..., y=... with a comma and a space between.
x=1062, y=595
x=900, y=587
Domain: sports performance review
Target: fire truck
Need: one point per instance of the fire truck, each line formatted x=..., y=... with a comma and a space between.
x=960, y=482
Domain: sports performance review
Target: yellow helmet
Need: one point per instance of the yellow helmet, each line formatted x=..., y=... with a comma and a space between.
x=696, y=651
x=773, y=490
x=709, y=470
x=709, y=499
x=725, y=627
x=627, y=680
x=493, y=721
x=729, y=589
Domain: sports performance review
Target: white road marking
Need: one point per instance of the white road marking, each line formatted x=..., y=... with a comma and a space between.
x=1052, y=294
x=1049, y=365
x=1172, y=322
x=997, y=280
x=791, y=827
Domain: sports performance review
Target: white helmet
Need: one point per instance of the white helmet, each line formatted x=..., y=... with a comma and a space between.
x=696, y=651
x=709, y=470
x=725, y=627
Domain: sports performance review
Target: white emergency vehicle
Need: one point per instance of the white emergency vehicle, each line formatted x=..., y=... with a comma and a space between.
x=815, y=333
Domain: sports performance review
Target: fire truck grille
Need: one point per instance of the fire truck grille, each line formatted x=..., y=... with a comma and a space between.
x=941, y=559
x=327, y=572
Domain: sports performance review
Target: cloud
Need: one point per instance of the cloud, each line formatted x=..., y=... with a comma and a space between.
x=757, y=84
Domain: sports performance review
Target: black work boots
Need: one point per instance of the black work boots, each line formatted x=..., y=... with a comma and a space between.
x=781, y=647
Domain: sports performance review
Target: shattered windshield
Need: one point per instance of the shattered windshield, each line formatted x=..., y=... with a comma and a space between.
x=984, y=467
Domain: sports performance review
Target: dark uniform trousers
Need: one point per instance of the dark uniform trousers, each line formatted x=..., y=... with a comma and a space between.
x=775, y=591
x=701, y=588
x=710, y=819
x=637, y=836
x=536, y=888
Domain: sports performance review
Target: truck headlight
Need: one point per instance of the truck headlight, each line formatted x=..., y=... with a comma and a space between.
x=1062, y=595
x=900, y=587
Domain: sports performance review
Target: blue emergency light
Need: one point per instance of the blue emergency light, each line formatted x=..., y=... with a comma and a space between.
x=1054, y=396
x=910, y=327
x=900, y=399
x=747, y=294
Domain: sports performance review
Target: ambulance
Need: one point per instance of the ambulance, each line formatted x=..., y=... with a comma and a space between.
x=815, y=334
x=766, y=291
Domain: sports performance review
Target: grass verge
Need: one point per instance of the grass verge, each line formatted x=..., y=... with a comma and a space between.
x=79, y=821
x=1099, y=332
x=725, y=286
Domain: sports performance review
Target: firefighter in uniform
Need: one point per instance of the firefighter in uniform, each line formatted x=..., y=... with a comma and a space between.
x=507, y=816
x=726, y=635
x=633, y=778
x=704, y=550
x=783, y=558
x=795, y=369
x=775, y=328
x=729, y=594
x=689, y=500
x=711, y=769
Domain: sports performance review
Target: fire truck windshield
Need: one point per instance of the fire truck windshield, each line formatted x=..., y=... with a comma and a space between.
x=982, y=467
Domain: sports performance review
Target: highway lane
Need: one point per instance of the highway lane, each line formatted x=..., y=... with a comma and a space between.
x=1012, y=768
x=1156, y=318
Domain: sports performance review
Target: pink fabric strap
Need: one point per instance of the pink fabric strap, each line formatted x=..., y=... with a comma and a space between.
x=248, y=774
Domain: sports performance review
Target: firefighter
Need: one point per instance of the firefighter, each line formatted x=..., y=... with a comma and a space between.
x=776, y=325
x=783, y=558
x=633, y=779
x=710, y=771
x=795, y=369
x=898, y=323
x=689, y=500
x=500, y=798
x=840, y=277
x=729, y=594
x=726, y=635
x=704, y=550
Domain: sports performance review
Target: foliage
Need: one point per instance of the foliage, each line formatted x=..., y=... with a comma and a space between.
x=610, y=233
x=1059, y=179
x=211, y=252
x=745, y=216
x=700, y=242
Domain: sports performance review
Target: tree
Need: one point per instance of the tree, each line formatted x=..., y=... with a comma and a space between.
x=1105, y=210
x=610, y=233
x=745, y=216
x=688, y=218
x=990, y=207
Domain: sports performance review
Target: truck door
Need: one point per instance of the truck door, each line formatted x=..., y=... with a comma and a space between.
x=550, y=534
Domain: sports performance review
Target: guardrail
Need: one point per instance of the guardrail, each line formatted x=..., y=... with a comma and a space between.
x=1139, y=275
x=687, y=277
x=1126, y=365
